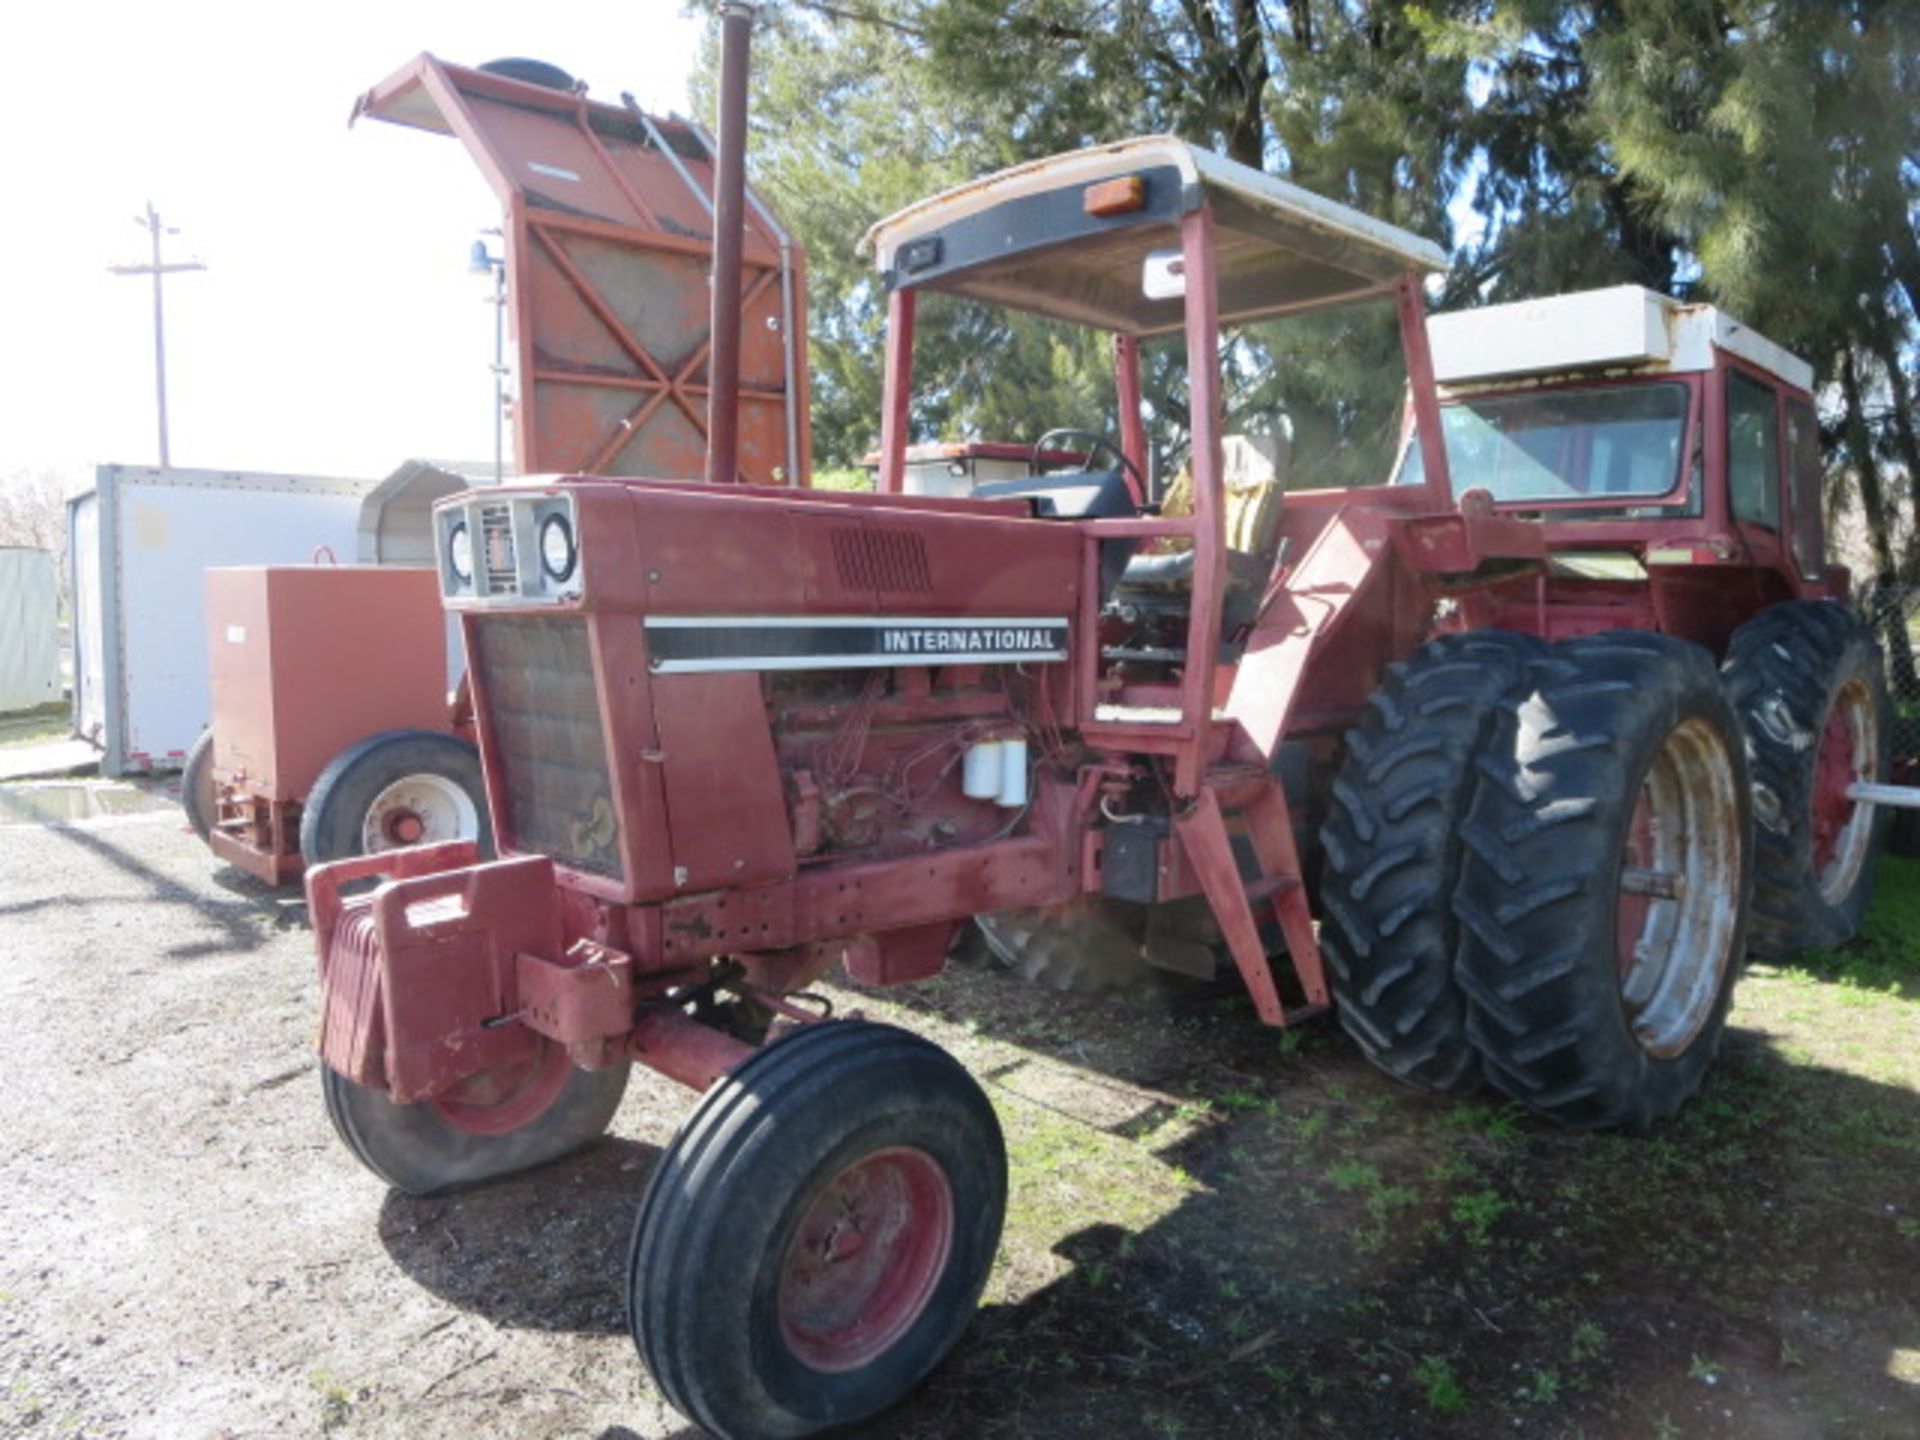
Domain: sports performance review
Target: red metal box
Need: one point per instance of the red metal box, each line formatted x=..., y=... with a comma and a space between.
x=307, y=659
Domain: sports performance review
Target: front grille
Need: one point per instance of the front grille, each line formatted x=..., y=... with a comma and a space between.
x=534, y=679
x=499, y=565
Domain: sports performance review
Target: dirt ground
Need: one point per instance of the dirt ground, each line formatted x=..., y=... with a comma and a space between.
x=1215, y=1230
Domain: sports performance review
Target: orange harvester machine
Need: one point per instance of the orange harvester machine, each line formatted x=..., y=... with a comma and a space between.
x=608, y=215
x=609, y=224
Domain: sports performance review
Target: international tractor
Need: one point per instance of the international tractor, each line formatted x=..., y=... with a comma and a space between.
x=1510, y=760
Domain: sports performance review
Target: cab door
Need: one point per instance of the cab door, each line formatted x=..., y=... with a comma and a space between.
x=1806, y=521
x=1753, y=451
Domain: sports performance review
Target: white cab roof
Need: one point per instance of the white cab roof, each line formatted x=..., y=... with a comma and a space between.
x=1622, y=328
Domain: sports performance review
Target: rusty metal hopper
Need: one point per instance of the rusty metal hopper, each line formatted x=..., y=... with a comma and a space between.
x=609, y=228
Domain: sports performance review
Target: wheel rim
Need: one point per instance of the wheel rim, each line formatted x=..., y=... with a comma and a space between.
x=1679, y=881
x=1842, y=829
x=508, y=1096
x=419, y=810
x=864, y=1261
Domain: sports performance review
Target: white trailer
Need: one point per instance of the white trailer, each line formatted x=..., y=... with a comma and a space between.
x=139, y=542
x=29, y=629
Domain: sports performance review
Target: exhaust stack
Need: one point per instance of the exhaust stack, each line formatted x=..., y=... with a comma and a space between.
x=729, y=215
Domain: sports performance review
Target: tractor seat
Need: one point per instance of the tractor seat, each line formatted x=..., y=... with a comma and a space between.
x=1071, y=495
x=1170, y=574
x=1172, y=570
x=1167, y=570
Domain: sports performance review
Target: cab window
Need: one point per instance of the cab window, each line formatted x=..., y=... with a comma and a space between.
x=1803, y=453
x=1610, y=443
x=1753, y=450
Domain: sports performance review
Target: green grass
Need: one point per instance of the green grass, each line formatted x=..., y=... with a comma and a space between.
x=1886, y=957
x=36, y=726
x=1444, y=1393
x=1189, y=1199
x=852, y=478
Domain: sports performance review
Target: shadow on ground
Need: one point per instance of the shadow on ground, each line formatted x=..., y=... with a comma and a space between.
x=1356, y=1260
x=1351, y=1258
x=240, y=923
x=546, y=1250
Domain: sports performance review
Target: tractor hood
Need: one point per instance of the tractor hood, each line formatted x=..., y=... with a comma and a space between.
x=1069, y=237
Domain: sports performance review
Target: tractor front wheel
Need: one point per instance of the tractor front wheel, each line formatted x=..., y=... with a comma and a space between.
x=1807, y=680
x=1608, y=872
x=817, y=1236
x=496, y=1123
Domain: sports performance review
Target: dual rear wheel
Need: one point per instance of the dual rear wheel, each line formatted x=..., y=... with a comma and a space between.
x=1606, y=870
x=1543, y=876
x=1808, y=682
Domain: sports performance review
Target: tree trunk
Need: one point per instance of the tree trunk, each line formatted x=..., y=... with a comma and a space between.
x=1883, y=601
x=1247, y=140
x=1300, y=22
x=1900, y=393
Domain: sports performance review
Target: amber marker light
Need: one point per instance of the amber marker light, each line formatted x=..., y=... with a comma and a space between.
x=1119, y=196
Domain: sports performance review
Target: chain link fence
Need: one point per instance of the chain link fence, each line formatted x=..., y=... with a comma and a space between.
x=1894, y=613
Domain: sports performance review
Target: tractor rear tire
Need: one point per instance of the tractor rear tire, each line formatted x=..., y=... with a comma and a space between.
x=423, y=777
x=453, y=1142
x=816, y=1238
x=1392, y=852
x=1079, y=948
x=1807, y=681
x=1608, y=874
x=199, y=796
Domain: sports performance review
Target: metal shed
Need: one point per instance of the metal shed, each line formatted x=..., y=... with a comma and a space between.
x=29, y=629
x=396, y=525
x=396, y=518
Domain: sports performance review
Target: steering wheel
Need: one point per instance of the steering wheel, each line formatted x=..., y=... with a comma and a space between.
x=1095, y=443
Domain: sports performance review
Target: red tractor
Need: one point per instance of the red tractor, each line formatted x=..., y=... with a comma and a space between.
x=1569, y=713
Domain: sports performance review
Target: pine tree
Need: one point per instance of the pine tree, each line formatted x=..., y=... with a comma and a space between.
x=1759, y=153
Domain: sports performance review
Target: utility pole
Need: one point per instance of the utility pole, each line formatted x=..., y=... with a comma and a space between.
x=483, y=261
x=150, y=222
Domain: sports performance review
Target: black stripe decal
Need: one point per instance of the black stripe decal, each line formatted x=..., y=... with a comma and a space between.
x=724, y=643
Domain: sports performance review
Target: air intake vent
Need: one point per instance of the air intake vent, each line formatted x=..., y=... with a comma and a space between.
x=887, y=560
x=499, y=566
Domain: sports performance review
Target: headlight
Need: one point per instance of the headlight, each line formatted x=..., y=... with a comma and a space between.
x=557, y=552
x=460, y=553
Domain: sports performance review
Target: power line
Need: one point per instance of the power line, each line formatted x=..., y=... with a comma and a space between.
x=159, y=270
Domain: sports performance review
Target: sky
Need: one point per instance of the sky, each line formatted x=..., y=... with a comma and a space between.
x=336, y=330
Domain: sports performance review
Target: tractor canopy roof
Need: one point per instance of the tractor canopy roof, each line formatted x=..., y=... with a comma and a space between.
x=1072, y=238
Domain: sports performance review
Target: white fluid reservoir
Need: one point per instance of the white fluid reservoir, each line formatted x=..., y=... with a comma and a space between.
x=980, y=775
x=1013, y=773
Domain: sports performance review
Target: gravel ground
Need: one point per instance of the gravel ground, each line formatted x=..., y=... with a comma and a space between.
x=190, y=1252
x=1214, y=1231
